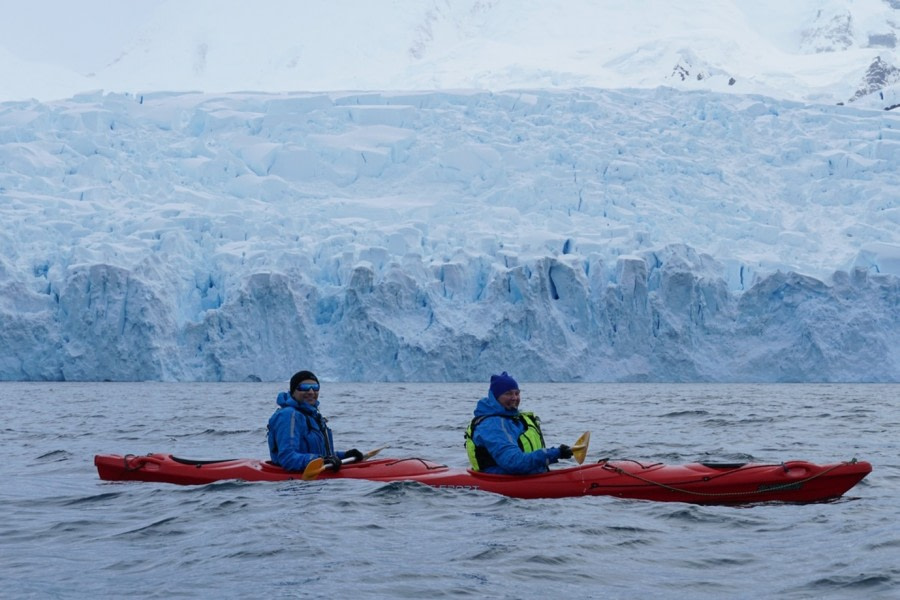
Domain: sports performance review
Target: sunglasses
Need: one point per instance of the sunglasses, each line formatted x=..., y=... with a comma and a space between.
x=307, y=387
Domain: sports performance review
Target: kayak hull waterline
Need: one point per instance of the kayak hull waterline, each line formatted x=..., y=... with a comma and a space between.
x=792, y=481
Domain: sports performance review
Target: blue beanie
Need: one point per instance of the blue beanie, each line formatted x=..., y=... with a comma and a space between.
x=500, y=384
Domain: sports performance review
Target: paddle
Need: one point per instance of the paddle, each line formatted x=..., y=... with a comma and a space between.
x=317, y=465
x=579, y=450
x=372, y=453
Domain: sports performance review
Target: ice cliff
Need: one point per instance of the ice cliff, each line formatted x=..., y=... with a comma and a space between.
x=583, y=235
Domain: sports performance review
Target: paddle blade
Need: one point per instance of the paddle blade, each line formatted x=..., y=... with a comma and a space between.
x=579, y=450
x=313, y=469
x=372, y=453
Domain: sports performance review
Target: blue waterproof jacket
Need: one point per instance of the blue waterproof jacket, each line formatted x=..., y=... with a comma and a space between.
x=500, y=436
x=298, y=433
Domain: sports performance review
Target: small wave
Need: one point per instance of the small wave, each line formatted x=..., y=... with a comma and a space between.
x=546, y=559
x=617, y=529
x=92, y=499
x=721, y=456
x=191, y=434
x=756, y=420
x=226, y=485
x=855, y=582
x=634, y=543
x=885, y=544
x=213, y=433
x=692, y=514
x=684, y=413
x=160, y=526
x=244, y=554
x=55, y=456
x=743, y=560
x=396, y=490
x=488, y=552
x=718, y=422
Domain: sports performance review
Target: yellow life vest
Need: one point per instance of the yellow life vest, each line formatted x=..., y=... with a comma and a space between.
x=529, y=440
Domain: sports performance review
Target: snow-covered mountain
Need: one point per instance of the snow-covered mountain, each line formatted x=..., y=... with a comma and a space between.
x=808, y=50
x=647, y=193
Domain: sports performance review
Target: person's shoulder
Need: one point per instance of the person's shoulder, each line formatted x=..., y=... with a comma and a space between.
x=494, y=420
x=281, y=412
x=486, y=407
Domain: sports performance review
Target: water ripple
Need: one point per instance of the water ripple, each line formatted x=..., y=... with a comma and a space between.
x=344, y=538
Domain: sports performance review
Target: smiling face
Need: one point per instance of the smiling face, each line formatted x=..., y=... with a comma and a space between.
x=307, y=391
x=510, y=399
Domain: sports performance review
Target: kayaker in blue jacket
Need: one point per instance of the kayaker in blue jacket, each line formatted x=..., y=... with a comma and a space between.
x=500, y=439
x=297, y=431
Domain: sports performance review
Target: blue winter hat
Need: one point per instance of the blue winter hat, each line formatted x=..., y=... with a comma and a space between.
x=502, y=383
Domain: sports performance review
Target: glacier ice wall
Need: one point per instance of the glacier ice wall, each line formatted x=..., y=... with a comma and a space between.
x=584, y=235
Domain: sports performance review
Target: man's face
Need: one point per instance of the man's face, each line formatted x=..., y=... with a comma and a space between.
x=307, y=391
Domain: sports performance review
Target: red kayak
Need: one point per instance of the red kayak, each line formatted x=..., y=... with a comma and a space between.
x=792, y=481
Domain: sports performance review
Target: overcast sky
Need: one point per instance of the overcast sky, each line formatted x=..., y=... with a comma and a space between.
x=83, y=35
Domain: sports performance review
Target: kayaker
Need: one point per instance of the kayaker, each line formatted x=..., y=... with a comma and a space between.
x=297, y=431
x=500, y=439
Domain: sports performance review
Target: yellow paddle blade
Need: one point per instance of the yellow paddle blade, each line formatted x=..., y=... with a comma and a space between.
x=580, y=448
x=312, y=470
x=317, y=465
x=372, y=453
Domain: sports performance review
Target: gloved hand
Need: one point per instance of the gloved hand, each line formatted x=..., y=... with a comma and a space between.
x=355, y=454
x=332, y=462
x=564, y=451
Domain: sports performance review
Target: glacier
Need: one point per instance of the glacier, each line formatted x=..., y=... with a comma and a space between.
x=596, y=235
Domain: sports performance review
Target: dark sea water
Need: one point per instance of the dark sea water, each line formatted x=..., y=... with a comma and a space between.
x=64, y=533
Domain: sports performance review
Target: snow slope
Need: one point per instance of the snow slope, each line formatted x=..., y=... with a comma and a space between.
x=806, y=50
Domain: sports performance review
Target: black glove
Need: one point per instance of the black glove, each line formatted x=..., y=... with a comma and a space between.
x=333, y=463
x=355, y=454
x=564, y=451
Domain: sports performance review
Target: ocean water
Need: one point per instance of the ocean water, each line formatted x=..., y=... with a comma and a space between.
x=64, y=533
